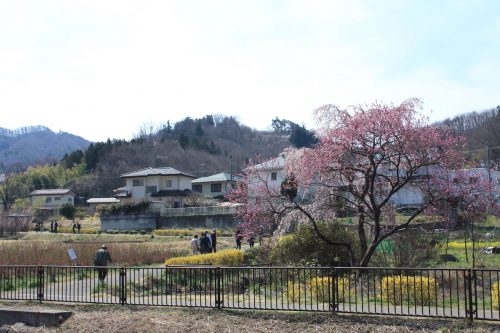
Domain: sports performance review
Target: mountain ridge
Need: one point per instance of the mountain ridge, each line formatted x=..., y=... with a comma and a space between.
x=31, y=145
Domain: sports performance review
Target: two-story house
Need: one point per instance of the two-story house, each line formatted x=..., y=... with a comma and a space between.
x=52, y=198
x=158, y=184
x=214, y=186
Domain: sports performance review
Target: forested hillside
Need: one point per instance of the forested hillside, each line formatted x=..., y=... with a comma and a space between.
x=198, y=146
x=35, y=145
x=481, y=130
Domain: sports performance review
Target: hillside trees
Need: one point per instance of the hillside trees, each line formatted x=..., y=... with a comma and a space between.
x=364, y=157
x=20, y=185
x=481, y=129
x=299, y=136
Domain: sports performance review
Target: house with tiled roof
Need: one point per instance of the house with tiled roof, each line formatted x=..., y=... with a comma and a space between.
x=164, y=184
x=52, y=198
x=215, y=185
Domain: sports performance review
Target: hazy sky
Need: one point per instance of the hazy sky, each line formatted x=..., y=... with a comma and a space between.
x=102, y=68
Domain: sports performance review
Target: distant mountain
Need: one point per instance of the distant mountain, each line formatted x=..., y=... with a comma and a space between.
x=35, y=144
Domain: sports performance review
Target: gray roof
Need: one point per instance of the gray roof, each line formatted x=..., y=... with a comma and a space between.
x=55, y=191
x=163, y=171
x=220, y=177
x=276, y=163
x=102, y=200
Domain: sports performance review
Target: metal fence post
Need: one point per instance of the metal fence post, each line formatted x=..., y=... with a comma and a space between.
x=218, y=287
x=40, y=283
x=333, y=287
x=123, y=294
x=469, y=311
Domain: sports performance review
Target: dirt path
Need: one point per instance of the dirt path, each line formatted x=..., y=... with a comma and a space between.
x=106, y=318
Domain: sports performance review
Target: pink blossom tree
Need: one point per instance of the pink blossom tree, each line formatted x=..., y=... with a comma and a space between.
x=364, y=158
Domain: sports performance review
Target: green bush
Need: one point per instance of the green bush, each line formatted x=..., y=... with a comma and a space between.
x=68, y=211
x=125, y=208
x=304, y=247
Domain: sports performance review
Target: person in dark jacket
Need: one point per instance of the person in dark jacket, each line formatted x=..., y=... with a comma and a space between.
x=213, y=237
x=102, y=257
x=205, y=243
x=238, y=236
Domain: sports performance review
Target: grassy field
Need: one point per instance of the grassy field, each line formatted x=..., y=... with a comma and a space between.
x=97, y=318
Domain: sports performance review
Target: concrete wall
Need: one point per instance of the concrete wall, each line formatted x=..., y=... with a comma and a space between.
x=128, y=222
x=212, y=221
x=150, y=221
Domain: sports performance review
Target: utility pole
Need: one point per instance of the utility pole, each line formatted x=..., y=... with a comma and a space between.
x=231, y=170
x=488, y=160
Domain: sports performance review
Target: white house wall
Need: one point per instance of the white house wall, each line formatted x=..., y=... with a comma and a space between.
x=206, y=189
x=40, y=200
x=139, y=192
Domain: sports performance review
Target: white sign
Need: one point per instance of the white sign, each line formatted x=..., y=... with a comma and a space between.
x=72, y=254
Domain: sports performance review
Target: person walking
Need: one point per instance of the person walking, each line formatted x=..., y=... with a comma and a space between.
x=55, y=227
x=238, y=237
x=74, y=227
x=194, y=244
x=251, y=240
x=78, y=226
x=261, y=234
x=213, y=237
x=205, y=243
x=51, y=226
x=101, y=259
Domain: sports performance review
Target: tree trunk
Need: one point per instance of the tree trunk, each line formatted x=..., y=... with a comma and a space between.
x=368, y=255
x=361, y=233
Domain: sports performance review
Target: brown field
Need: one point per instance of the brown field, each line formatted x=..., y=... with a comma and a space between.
x=103, y=318
x=126, y=250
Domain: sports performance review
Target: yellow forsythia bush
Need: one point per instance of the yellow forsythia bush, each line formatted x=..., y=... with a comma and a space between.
x=320, y=289
x=64, y=230
x=177, y=232
x=223, y=258
x=495, y=295
x=416, y=290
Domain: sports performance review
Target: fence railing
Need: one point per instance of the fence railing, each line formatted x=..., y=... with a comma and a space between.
x=426, y=292
x=196, y=211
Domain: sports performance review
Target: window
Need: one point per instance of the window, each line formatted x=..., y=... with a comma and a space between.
x=57, y=198
x=150, y=189
x=216, y=187
x=273, y=175
x=137, y=182
x=197, y=188
x=48, y=200
x=169, y=182
x=70, y=200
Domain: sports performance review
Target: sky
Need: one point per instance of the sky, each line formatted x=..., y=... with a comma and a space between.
x=104, y=69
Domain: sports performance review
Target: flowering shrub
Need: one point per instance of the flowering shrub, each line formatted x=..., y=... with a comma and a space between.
x=495, y=295
x=416, y=290
x=177, y=232
x=320, y=289
x=223, y=258
x=461, y=245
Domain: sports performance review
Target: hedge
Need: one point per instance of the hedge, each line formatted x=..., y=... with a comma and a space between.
x=415, y=290
x=223, y=258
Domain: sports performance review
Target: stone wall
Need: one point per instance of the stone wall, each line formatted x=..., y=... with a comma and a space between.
x=153, y=221
x=129, y=222
x=201, y=221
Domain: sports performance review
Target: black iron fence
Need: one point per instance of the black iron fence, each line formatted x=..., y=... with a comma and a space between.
x=450, y=293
